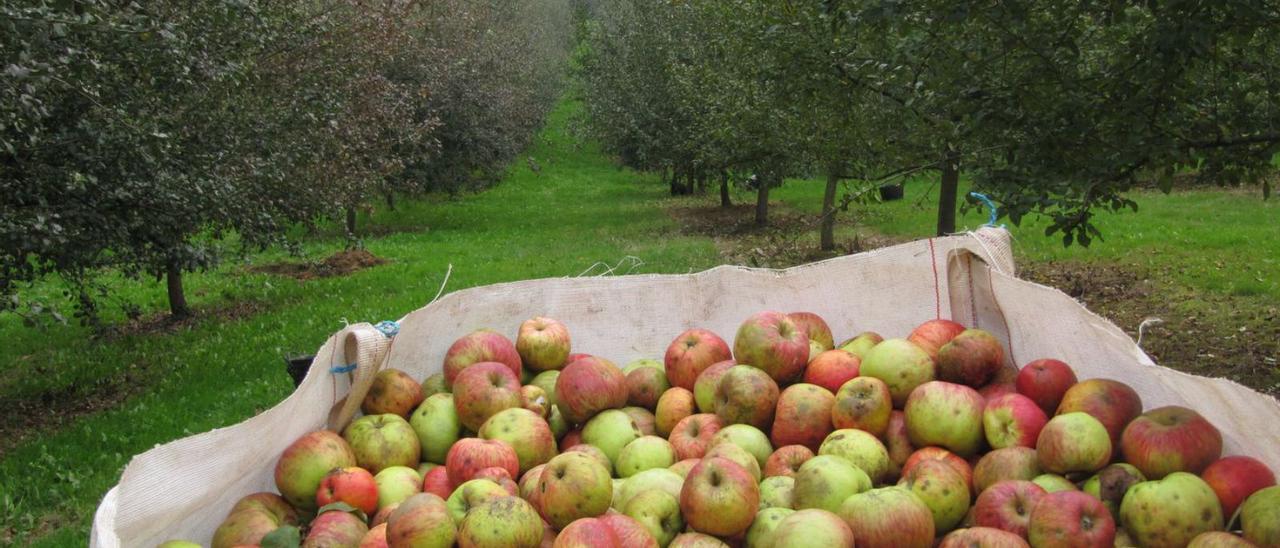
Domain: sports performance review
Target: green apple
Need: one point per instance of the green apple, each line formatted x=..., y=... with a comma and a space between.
x=737, y=455
x=420, y=521
x=502, y=521
x=1170, y=511
x=778, y=492
x=1052, y=483
x=661, y=479
x=760, y=534
x=643, y=454
x=942, y=489
x=747, y=437
x=546, y=380
x=436, y=423
x=1111, y=483
x=1260, y=517
x=825, y=481
x=397, y=483
x=471, y=494
x=525, y=431
x=659, y=512
x=860, y=448
x=383, y=440
x=611, y=430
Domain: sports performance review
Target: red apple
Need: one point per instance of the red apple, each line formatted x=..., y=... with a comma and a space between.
x=375, y=538
x=985, y=537
x=1070, y=518
x=1233, y=479
x=719, y=497
x=1012, y=419
x=500, y=476
x=673, y=406
x=384, y=513
x=691, y=353
x=588, y=386
x=959, y=465
x=1007, y=505
x=704, y=388
x=436, y=481
x=351, y=485
x=643, y=418
x=630, y=533
x=543, y=343
x=1010, y=463
x=786, y=460
x=863, y=403
x=816, y=328
x=696, y=540
x=252, y=517
x=746, y=395
x=803, y=416
x=645, y=385
x=306, y=461
x=482, y=390
x=896, y=439
x=1045, y=381
x=933, y=334
x=471, y=455
x=421, y=520
x=479, y=346
x=971, y=358
x=1170, y=439
x=773, y=342
x=392, y=391
x=901, y=365
x=832, y=368
x=335, y=528
x=994, y=390
x=1113, y=403
x=692, y=435
x=570, y=439
x=1217, y=539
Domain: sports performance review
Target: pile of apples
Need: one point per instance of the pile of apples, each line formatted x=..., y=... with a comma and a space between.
x=787, y=440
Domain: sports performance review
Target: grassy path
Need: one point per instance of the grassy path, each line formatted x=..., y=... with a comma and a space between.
x=577, y=210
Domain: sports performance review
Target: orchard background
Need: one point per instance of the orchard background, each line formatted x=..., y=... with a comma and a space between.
x=189, y=194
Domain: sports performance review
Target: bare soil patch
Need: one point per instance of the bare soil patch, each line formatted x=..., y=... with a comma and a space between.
x=341, y=263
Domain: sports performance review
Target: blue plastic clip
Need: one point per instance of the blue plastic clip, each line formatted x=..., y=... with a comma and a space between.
x=388, y=328
x=339, y=369
x=991, y=208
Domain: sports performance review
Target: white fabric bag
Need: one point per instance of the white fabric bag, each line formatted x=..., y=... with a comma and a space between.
x=183, y=489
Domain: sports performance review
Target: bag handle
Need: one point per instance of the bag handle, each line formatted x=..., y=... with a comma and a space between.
x=363, y=349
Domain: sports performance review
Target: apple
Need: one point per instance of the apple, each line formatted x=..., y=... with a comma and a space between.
x=673, y=406
x=1073, y=442
x=1170, y=511
x=993, y=390
x=352, y=485
x=888, y=517
x=1009, y=463
x=546, y=380
x=424, y=467
x=593, y=452
x=815, y=327
x=572, y=486
x=833, y=368
x=1113, y=403
x=480, y=346
x=375, y=538
x=1217, y=539
x=947, y=415
x=696, y=540
x=383, y=514
x=392, y=391
x=1233, y=479
x=644, y=453
x=660, y=479
x=535, y=399
x=658, y=512
x=704, y=387
x=896, y=439
x=986, y=537
x=862, y=343
x=747, y=437
x=1170, y=439
x=693, y=434
x=527, y=434
x=933, y=334
x=690, y=353
x=825, y=481
x=570, y=438
x=470, y=455
x=421, y=520
x=778, y=491
x=812, y=527
x=482, y=390
x=1053, y=483
x=860, y=448
x=543, y=343
x=683, y=467
x=643, y=418
x=472, y=494
x=746, y=395
x=306, y=461
x=335, y=528
x=503, y=521
x=956, y=463
x=587, y=533
x=786, y=460
x=252, y=517
x=942, y=489
x=1007, y=505
x=436, y=481
x=971, y=358
x=1111, y=483
x=436, y=424
x=901, y=364
x=1070, y=518
x=760, y=534
x=630, y=533
x=397, y=483
x=719, y=497
x=1260, y=517
x=500, y=476
x=645, y=385
x=611, y=430
x=803, y=416
x=434, y=384
x=1045, y=381
x=588, y=386
x=774, y=343
x=738, y=455
x=863, y=403
x=380, y=441
x=1012, y=420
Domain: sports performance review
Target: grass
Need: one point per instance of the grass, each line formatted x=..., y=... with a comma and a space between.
x=220, y=371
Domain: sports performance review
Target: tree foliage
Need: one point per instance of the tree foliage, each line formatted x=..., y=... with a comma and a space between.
x=135, y=136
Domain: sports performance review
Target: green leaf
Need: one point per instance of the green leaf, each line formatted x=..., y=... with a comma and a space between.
x=283, y=537
x=342, y=507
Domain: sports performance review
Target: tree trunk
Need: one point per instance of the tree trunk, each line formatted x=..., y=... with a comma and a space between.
x=724, y=190
x=762, y=200
x=947, y=194
x=828, y=216
x=391, y=200
x=351, y=221
x=177, y=299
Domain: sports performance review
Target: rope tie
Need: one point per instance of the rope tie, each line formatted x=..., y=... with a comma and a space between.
x=388, y=327
x=992, y=210
x=340, y=369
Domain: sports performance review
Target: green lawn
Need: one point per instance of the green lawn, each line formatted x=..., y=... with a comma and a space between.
x=578, y=210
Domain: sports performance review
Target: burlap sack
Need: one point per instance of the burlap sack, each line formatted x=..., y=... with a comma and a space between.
x=184, y=489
